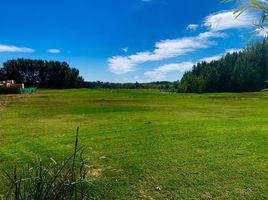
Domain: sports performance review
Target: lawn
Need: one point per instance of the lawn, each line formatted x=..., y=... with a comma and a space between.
x=146, y=144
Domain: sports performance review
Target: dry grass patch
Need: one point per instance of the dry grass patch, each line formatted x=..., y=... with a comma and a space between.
x=94, y=173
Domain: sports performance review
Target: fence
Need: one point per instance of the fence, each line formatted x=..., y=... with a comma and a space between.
x=28, y=90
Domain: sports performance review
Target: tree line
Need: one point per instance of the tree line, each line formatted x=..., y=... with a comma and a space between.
x=59, y=75
x=242, y=71
x=41, y=73
x=160, y=85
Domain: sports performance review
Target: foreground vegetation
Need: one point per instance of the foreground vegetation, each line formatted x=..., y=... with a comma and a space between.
x=50, y=180
x=145, y=144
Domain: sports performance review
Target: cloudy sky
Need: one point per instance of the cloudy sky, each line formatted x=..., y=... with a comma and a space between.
x=122, y=40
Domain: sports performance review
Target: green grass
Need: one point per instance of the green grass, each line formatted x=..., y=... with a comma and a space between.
x=147, y=144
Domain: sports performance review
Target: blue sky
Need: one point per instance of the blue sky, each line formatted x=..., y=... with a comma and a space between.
x=122, y=40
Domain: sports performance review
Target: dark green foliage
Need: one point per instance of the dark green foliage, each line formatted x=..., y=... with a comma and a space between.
x=164, y=85
x=237, y=72
x=16, y=90
x=41, y=73
x=10, y=90
x=50, y=181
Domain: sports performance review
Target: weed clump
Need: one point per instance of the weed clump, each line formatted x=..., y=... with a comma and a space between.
x=53, y=180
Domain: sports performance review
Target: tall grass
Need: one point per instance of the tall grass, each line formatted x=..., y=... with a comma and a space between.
x=53, y=180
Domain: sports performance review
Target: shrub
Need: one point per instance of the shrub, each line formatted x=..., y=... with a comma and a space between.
x=10, y=90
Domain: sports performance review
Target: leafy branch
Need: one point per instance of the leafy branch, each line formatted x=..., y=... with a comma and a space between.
x=260, y=6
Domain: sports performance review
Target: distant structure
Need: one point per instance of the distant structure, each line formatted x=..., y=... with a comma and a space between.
x=11, y=84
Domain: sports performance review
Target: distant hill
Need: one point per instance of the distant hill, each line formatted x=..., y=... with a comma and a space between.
x=237, y=72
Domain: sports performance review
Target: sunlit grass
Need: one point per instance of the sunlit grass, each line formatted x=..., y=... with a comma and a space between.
x=147, y=144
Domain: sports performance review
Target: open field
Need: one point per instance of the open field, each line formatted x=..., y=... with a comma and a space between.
x=146, y=144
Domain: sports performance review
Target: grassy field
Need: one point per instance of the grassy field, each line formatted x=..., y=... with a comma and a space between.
x=146, y=144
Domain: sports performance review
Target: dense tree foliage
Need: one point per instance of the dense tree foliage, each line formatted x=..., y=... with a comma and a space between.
x=237, y=72
x=163, y=85
x=41, y=73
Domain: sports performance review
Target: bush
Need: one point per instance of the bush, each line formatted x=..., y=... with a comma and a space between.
x=17, y=90
x=10, y=90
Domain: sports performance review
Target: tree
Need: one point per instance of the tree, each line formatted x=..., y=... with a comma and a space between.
x=40, y=73
x=242, y=71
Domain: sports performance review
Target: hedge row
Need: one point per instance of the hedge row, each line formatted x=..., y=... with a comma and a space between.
x=17, y=90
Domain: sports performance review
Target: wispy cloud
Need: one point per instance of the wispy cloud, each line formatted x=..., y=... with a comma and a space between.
x=11, y=48
x=217, y=25
x=192, y=27
x=228, y=20
x=54, y=51
x=163, y=50
x=219, y=56
x=161, y=72
x=262, y=32
x=121, y=65
x=125, y=49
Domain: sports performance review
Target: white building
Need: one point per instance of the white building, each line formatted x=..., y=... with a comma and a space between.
x=11, y=84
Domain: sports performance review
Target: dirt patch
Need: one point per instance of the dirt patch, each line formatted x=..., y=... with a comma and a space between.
x=143, y=195
x=1, y=107
x=95, y=173
x=5, y=99
x=109, y=101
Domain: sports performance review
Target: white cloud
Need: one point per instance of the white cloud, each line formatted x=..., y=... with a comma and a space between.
x=120, y=65
x=262, y=32
x=233, y=50
x=219, y=56
x=54, y=51
x=155, y=75
x=163, y=50
x=211, y=58
x=125, y=49
x=10, y=48
x=216, y=24
x=228, y=20
x=161, y=72
x=192, y=27
x=138, y=79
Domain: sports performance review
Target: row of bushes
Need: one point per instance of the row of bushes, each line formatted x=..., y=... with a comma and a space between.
x=17, y=90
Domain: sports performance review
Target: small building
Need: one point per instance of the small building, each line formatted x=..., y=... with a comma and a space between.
x=11, y=84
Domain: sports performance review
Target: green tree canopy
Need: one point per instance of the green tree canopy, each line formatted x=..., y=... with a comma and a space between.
x=41, y=73
x=242, y=71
